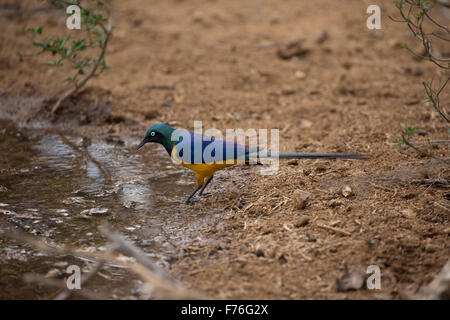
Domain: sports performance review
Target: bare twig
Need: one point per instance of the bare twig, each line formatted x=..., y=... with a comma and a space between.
x=431, y=181
x=336, y=230
x=420, y=152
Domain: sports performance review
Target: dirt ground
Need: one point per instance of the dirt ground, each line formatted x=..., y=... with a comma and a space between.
x=351, y=91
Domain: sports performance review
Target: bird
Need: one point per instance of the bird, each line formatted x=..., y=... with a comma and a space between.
x=229, y=153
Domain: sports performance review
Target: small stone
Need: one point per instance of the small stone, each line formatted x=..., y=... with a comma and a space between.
x=293, y=162
x=333, y=249
x=347, y=192
x=305, y=124
x=129, y=204
x=259, y=252
x=300, y=199
x=83, y=119
x=61, y=264
x=287, y=91
x=94, y=211
x=53, y=273
x=293, y=49
x=335, y=204
x=353, y=280
x=300, y=74
x=409, y=213
x=282, y=259
x=7, y=212
x=372, y=243
x=301, y=222
x=321, y=36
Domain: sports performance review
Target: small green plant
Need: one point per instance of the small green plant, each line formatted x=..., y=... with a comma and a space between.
x=408, y=132
x=75, y=54
x=416, y=14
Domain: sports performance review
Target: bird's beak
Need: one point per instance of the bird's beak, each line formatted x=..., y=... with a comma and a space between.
x=141, y=144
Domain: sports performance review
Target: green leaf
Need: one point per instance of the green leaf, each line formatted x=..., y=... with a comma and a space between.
x=71, y=79
x=37, y=30
x=410, y=131
x=55, y=63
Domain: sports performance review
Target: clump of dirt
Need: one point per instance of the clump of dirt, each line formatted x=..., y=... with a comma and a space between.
x=352, y=90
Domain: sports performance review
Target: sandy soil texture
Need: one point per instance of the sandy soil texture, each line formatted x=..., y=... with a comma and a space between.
x=349, y=89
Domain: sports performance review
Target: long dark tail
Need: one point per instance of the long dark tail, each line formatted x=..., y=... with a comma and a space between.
x=302, y=155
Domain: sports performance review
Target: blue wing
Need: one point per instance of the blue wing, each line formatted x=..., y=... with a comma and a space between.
x=195, y=148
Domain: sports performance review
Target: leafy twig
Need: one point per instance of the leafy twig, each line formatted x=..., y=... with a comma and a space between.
x=66, y=49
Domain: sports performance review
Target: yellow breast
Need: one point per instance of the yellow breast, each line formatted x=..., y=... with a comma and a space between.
x=202, y=170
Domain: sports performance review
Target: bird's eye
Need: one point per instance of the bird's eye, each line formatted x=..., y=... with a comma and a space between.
x=152, y=133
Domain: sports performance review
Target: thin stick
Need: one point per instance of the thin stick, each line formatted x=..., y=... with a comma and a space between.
x=431, y=181
x=323, y=226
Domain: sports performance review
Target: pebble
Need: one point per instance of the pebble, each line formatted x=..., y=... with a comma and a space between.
x=259, y=252
x=301, y=222
x=301, y=199
x=94, y=211
x=347, y=191
x=53, y=273
x=61, y=264
x=321, y=36
x=300, y=74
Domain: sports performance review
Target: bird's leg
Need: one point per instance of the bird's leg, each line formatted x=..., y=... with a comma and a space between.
x=204, y=186
x=192, y=194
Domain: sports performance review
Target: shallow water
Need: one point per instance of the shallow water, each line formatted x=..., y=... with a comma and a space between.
x=62, y=187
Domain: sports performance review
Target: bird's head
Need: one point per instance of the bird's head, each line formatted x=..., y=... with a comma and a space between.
x=159, y=133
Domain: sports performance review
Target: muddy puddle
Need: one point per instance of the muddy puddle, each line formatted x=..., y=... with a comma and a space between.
x=61, y=187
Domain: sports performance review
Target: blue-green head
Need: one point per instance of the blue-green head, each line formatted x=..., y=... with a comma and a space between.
x=159, y=133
